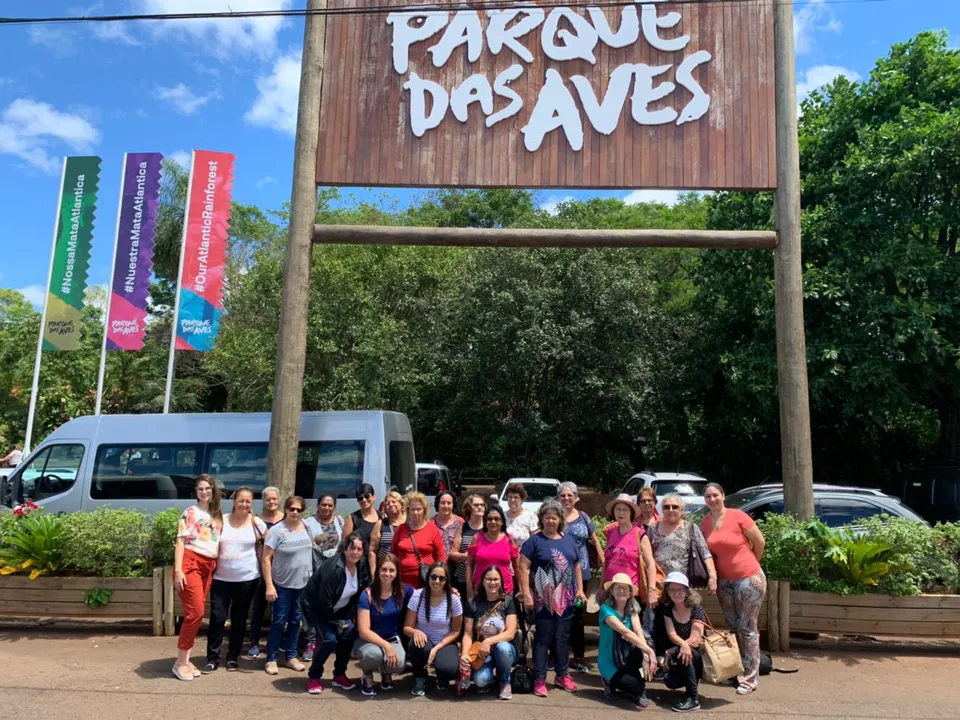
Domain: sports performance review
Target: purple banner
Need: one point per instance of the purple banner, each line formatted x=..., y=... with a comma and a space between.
x=134, y=261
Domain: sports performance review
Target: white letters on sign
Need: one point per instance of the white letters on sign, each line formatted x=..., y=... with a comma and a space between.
x=565, y=35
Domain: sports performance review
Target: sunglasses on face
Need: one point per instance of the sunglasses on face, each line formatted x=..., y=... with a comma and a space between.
x=438, y=578
x=365, y=496
x=295, y=509
x=671, y=507
x=494, y=519
x=647, y=501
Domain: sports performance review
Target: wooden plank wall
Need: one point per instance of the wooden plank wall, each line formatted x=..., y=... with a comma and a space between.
x=365, y=135
x=133, y=598
x=921, y=616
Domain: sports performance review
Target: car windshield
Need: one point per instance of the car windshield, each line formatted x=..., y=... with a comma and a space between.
x=536, y=492
x=679, y=487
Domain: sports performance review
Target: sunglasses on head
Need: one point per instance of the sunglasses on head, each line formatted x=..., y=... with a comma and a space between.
x=438, y=578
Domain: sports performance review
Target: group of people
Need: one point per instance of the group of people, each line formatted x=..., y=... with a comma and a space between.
x=456, y=590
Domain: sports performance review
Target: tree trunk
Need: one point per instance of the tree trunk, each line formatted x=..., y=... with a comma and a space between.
x=949, y=411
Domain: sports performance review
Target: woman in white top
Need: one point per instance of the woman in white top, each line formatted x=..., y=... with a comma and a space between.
x=521, y=524
x=235, y=580
x=433, y=622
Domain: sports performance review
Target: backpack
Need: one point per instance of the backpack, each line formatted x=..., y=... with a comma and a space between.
x=766, y=665
x=521, y=677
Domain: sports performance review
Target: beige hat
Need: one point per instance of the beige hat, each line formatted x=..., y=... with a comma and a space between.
x=626, y=500
x=621, y=579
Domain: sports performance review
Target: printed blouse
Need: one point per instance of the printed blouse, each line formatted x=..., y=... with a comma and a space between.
x=199, y=531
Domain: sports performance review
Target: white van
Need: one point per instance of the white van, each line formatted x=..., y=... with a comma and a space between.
x=151, y=462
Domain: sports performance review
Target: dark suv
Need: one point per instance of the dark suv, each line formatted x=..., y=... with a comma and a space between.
x=835, y=505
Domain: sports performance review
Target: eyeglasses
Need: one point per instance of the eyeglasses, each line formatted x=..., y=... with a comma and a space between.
x=480, y=504
x=437, y=578
x=491, y=579
x=647, y=501
x=671, y=507
x=295, y=509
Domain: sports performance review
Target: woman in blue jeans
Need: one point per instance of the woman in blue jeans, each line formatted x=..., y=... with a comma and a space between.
x=489, y=626
x=287, y=565
x=328, y=604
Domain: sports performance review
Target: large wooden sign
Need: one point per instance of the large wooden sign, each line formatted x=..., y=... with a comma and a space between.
x=646, y=95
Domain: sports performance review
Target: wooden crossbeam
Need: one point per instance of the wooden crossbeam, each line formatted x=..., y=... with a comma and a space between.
x=535, y=238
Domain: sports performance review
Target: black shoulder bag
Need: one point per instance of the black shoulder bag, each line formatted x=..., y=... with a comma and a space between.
x=424, y=570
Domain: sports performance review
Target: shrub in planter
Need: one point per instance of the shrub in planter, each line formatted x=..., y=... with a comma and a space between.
x=32, y=542
x=107, y=543
x=163, y=534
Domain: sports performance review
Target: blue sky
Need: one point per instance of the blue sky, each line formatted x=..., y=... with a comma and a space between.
x=231, y=85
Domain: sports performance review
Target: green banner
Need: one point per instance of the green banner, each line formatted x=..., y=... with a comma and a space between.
x=71, y=254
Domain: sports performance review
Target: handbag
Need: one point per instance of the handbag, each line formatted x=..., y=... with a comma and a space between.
x=720, y=654
x=477, y=662
x=697, y=572
x=621, y=648
x=660, y=575
x=257, y=544
x=593, y=555
x=424, y=569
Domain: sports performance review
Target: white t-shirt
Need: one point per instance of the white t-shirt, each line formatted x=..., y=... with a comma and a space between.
x=349, y=590
x=16, y=457
x=237, y=561
x=522, y=526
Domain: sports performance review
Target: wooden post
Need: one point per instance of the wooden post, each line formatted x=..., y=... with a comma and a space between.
x=783, y=591
x=534, y=238
x=796, y=453
x=292, y=342
x=169, y=625
x=158, y=601
x=773, y=615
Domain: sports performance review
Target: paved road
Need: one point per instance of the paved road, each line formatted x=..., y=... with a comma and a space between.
x=57, y=674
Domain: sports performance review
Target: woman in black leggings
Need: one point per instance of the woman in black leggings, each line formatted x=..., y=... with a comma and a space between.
x=620, y=620
x=684, y=619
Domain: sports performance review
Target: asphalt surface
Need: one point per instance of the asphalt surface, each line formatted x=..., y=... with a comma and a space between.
x=50, y=673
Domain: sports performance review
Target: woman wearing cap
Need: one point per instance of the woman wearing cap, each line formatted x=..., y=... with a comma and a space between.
x=619, y=616
x=685, y=619
x=580, y=527
x=737, y=546
x=366, y=519
x=550, y=582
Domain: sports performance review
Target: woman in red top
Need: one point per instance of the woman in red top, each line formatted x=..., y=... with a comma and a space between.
x=417, y=543
x=736, y=544
x=492, y=548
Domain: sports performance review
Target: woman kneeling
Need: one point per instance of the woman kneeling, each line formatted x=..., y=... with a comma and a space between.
x=433, y=622
x=378, y=649
x=684, y=618
x=624, y=668
x=488, y=631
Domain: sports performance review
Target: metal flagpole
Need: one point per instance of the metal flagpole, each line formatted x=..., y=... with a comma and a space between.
x=176, y=303
x=113, y=270
x=43, y=319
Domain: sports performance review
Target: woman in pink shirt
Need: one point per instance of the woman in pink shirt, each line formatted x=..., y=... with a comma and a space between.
x=492, y=548
x=626, y=544
x=736, y=544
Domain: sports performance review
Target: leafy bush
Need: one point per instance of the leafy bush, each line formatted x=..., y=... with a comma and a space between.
x=163, y=534
x=107, y=543
x=862, y=560
x=34, y=542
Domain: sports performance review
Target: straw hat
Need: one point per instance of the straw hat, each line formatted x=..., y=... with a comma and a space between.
x=626, y=500
x=621, y=579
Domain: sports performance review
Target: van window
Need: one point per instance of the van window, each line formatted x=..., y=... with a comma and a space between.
x=146, y=472
x=52, y=472
x=403, y=466
x=334, y=467
x=238, y=465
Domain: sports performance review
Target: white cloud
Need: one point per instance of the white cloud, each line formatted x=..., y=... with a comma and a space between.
x=181, y=158
x=266, y=180
x=183, y=99
x=113, y=31
x=667, y=197
x=223, y=38
x=53, y=37
x=28, y=129
x=821, y=75
x=35, y=295
x=552, y=204
x=276, y=105
x=816, y=16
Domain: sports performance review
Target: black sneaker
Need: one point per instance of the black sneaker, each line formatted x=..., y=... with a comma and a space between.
x=232, y=666
x=208, y=668
x=688, y=704
x=443, y=685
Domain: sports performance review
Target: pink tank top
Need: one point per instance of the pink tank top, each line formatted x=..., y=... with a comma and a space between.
x=486, y=554
x=623, y=554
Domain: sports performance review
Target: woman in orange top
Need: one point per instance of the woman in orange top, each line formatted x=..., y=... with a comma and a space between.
x=736, y=544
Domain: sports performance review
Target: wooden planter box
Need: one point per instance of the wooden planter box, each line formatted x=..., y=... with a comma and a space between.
x=926, y=616
x=173, y=608
x=62, y=597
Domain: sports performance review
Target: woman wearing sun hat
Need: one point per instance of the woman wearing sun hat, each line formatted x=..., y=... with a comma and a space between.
x=685, y=619
x=627, y=544
x=619, y=617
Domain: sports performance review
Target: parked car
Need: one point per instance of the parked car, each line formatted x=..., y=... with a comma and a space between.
x=835, y=505
x=689, y=486
x=435, y=477
x=538, y=490
x=933, y=493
